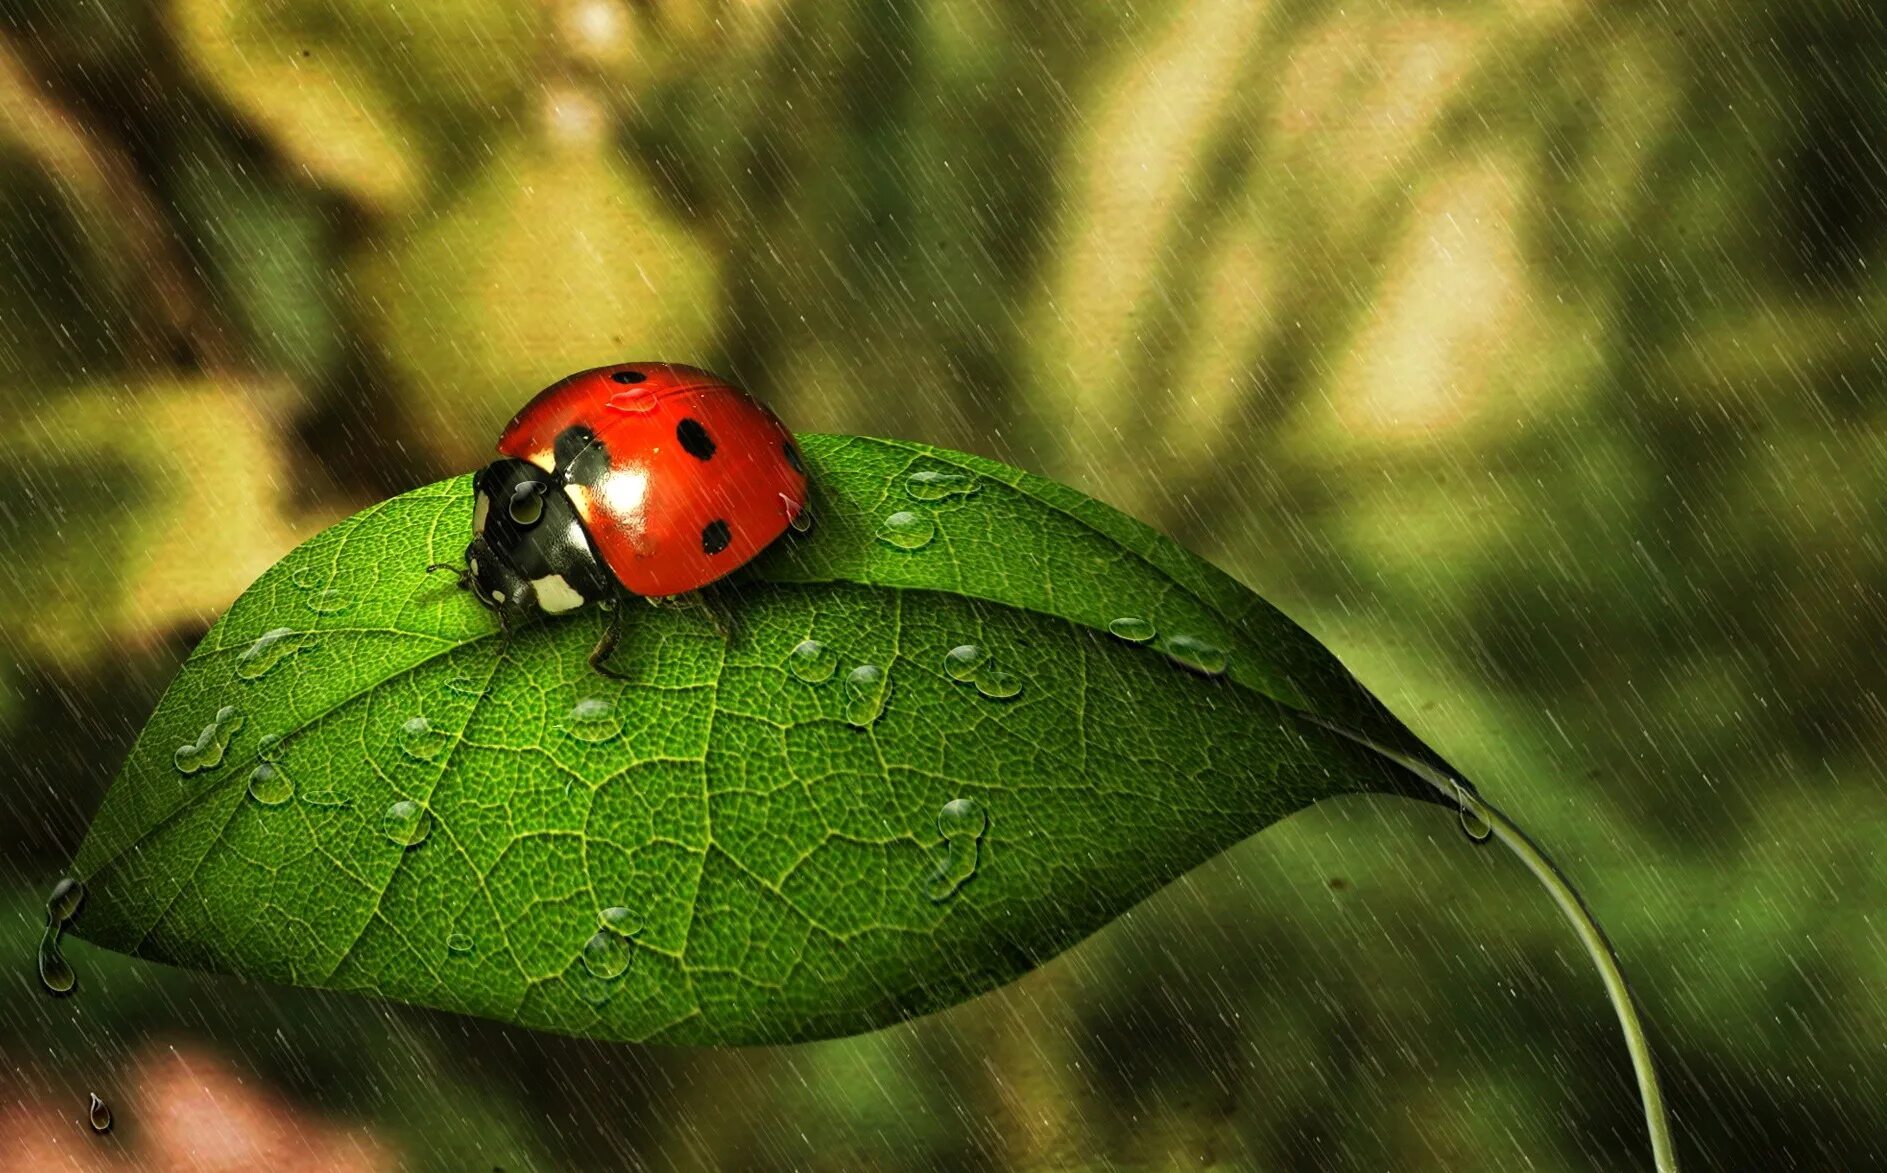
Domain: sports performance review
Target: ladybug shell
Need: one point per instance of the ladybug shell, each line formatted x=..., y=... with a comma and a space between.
x=678, y=476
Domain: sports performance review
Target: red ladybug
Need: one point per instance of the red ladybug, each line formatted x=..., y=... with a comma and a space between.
x=647, y=479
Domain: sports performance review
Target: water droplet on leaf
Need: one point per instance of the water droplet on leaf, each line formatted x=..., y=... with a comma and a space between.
x=1195, y=653
x=934, y=484
x=270, y=649
x=593, y=720
x=624, y=922
x=866, y=687
x=465, y=686
x=406, y=823
x=98, y=1113
x=459, y=943
x=960, y=663
x=998, y=684
x=962, y=823
x=907, y=530
x=270, y=785
x=324, y=798
x=1131, y=629
x=269, y=747
x=606, y=955
x=308, y=578
x=419, y=740
x=211, y=744
x=328, y=602
x=812, y=662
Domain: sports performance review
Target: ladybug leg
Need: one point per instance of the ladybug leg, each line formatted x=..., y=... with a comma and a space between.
x=697, y=601
x=612, y=634
x=465, y=577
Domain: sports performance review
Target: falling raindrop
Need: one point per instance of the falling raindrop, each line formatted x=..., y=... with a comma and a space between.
x=960, y=663
x=406, y=823
x=866, y=687
x=270, y=785
x=812, y=662
x=606, y=955
x=593, y=720
x=270, y=649
x=1131, y=629
x=419, y=740
x=208, y=749
x=934, y=484
x=961, y=823
x=1196, y=654
x=328, y=602
x=98, y=1113
x=907, y=530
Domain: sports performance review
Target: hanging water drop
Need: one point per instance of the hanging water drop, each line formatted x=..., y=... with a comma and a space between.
x=866, y=687
x=962, y=823
x=1477, y=829
x=907, y=530
x=812, y=662
x=606, y=955
x=419, y=740
x=64, y=902
x=208, y=749
x=270, y=785
x=98, y=1114
x=1133, y=630
x=55, y=975
x=406, y=823
x=270, y=649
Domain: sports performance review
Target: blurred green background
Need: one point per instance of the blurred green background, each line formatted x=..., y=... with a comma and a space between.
x=1528, y=352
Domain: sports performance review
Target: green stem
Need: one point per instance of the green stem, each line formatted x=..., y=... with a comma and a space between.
x=1657, y=1118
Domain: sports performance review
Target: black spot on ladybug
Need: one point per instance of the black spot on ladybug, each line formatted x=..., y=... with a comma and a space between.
x=695, y=439
x=581, y=458
x=714, y=536
x=627, y=376
x=792, y=457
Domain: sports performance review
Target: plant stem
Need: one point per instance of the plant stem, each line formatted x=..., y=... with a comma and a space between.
x=1657, y=1118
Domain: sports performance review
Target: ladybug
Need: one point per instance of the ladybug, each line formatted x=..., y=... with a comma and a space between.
x=650, y=479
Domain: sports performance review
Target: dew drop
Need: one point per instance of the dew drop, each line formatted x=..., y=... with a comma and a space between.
x=962, y=823
x=459, y=943
x=269, y=747
x=998, y=684
x=420, y=741
x=624, y=922
x=812, y=662
x=961, y=662
x=866, y=687
x=328, y=602
x=211, y=744
x=98, y=1114
x=307, y=578
x=1132, y=629
x=934, y=484
x=270, y=649
x=606, y=955
x=593, y=720
x=324, y=798
x=907, y=530
x=637, y=400
x=465, y=686
x=406, y=823
x=1195, y=653
x=270, y=785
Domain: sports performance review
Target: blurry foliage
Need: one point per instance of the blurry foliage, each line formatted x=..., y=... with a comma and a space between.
x=1528, y=352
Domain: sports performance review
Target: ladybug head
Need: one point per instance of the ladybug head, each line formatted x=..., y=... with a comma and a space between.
x=529, y=550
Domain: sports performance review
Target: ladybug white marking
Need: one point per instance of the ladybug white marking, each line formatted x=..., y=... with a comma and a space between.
x=480, y=511
x=555, y=595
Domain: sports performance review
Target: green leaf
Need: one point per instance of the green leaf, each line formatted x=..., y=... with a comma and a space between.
x=356, y=783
